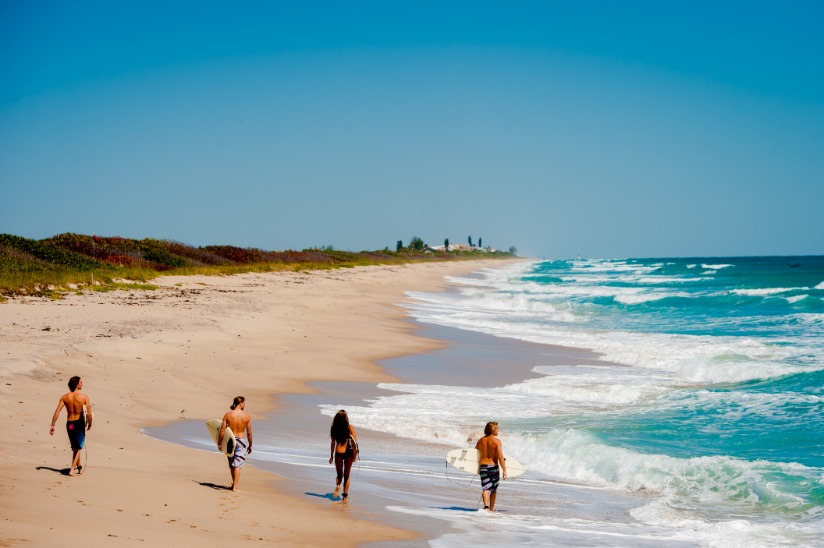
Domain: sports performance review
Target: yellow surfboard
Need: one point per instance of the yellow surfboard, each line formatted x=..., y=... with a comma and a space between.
x=228, y=445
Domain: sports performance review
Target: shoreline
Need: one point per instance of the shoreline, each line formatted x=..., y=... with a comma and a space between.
x=395, y=499
x=383, y=485
x=150, y=358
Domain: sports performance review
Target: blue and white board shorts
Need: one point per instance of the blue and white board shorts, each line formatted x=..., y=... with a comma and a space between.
x=490, y=477
x=239, y=458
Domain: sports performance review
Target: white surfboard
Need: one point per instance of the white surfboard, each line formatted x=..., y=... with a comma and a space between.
x=467, y=460
x=228, y=445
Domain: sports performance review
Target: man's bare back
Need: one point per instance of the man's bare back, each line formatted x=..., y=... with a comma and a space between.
x=238, y=420
x=490, y=449
x=74, y=402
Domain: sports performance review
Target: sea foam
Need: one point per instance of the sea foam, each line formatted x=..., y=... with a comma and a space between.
x=706, y=407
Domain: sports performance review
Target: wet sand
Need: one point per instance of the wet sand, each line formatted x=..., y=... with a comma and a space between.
x=394, y=473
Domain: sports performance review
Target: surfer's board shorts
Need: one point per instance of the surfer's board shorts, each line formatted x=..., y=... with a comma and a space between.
x=238, y=459
x=77, y=433
x=490, y=477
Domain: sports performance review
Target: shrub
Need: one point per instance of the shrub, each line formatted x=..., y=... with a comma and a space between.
x=416, y=244
x=49, y=252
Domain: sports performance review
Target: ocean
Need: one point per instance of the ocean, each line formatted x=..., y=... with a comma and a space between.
x=691, y=415
x=700, y=424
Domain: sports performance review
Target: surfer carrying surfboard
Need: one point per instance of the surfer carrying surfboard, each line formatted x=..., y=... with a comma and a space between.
x=492, y=464
x=76, y=423
x=239, y=422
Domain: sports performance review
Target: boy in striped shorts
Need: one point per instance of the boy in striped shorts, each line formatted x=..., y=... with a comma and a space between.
x=492, y=463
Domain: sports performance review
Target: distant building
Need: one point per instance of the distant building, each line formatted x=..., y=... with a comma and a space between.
x=462, y=247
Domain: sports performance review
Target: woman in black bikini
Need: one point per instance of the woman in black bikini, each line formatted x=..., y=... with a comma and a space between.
x=343, y=451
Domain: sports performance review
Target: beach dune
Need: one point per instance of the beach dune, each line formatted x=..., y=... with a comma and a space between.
x=180, y=352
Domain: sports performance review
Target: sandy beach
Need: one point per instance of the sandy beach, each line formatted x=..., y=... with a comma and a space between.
x=184, y=351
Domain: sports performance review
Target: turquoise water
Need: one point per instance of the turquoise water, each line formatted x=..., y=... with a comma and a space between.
x=707, y=404
x=774, y=301
x=776, y=419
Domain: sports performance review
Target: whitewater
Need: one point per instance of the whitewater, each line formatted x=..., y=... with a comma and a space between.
x=699, y=425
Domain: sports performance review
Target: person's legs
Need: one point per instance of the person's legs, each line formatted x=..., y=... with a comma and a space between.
x=237, y=461
x=77, y=438
x=339, y=477
x=494, y=479
x=75, y=461
x=483, y=472
x=234, y=471
x=346, y=476
x=235, y=477
x=489, y=483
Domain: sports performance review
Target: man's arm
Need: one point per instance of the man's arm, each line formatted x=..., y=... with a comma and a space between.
x=501, y=459
x=249, y=434
x=60, y=405
x=89, y=415
x=221, y=431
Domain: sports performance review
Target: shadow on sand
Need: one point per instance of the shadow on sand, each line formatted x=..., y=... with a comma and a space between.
x=214, y=486
x=327, y=496
x=63, y=471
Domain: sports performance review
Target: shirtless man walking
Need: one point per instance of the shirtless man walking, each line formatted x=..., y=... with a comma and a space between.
x=491, y=459
x=240, y=422
x=76, y=427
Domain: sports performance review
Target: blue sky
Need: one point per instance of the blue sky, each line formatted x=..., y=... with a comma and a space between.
x=595, y=129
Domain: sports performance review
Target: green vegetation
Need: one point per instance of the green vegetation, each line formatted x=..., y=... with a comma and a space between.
x=112, y=286
x=76, y=262
x=416, y=244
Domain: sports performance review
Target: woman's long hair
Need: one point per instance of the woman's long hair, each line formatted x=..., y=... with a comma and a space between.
x=340, y=427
